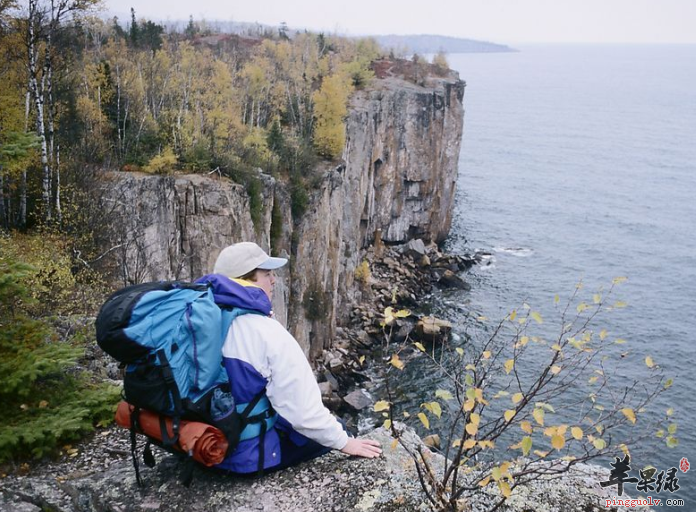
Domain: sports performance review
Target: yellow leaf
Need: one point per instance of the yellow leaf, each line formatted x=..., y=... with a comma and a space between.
x=420, y=346
x=555, y=369
x=475, y=418
x=460, y=351
x=624, y=449
x=619, y=341
x=581, y=307
x=602, y=334
x=550, y=431
x=471, y=429
x=362, y=360
x=424, y=420
x=396, y=362
x=457, y=443
x=509, y=414
x=436, y=409
x=536, y=317
x=558, y=442
x=599, y=444
x=526, y=445
x=387, y=424
x=527, y=427
x=407, y=414
x=43, y=404
x=649, y=362
x=620, y=304
x=485, y=481
x=670, y=411
x=481, y=318
x=509, y=365
x=380, y=406
x=576, y=433
x=630, y=415
x=593, y=379
x=556, y=347
x=486, y=354
x=504, y=488
x=596, y=298
x=486, y=444
x=541, y=454
x=513, y=315
x=470, y=367
x=469, y=405
x=524, y=340
x=538, y=415
x=618, y=280
x=478, y=394
x=556, y=299
x=403, y=313
x=517, y=398
x=469, y=444
x=496, y=474
x=444, y=394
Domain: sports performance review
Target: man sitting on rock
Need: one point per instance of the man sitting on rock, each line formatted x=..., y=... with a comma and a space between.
x=262, y=358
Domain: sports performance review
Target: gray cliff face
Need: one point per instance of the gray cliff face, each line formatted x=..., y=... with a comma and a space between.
x=396, y=182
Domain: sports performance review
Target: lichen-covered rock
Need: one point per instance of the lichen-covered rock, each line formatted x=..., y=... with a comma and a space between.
x=333, y=482
x=101, y=479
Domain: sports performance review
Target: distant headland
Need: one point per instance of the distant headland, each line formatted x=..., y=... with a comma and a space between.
x=432, y=44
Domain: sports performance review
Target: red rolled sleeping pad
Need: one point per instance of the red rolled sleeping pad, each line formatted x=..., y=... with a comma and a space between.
x=206, y=443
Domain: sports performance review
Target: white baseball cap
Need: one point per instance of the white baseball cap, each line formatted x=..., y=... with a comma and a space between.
x=239, y=259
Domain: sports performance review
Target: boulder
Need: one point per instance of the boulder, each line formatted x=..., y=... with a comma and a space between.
x=415, y=249
x=430, y=328
x=451, y=280
x=358, y=399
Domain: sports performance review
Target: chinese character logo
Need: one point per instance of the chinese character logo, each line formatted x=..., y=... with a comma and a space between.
x=684, y=465
x=619, y=475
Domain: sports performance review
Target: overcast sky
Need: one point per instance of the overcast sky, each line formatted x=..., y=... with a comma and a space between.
x=501, y=21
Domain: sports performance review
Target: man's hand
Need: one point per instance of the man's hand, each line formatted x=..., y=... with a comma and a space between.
x=362, y=448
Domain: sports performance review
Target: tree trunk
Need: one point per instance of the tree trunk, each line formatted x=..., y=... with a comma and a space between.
x=3, y=214
x=59, y=211
x=23, y=182
x=118, y=114
x=38, y=95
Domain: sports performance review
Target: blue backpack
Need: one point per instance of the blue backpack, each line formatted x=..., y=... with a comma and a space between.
x=170, y=335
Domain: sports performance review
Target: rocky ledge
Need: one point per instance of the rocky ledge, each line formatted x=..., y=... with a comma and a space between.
x=98, y=477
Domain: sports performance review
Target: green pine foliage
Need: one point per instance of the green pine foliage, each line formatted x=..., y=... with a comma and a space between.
x=45, y=400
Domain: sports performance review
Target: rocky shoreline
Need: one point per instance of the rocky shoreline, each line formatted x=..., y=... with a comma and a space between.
x=390, y=276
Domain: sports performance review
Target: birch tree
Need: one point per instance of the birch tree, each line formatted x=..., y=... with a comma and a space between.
x=44, y=19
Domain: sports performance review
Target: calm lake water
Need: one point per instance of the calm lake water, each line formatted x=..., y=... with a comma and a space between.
x=579, y=163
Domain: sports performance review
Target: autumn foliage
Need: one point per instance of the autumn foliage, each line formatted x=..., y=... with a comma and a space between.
x=520, y=400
